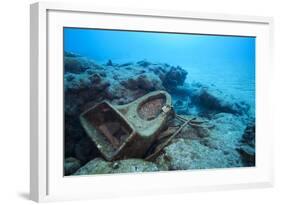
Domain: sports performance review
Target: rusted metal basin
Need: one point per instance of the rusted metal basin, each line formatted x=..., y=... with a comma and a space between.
x=127, y=131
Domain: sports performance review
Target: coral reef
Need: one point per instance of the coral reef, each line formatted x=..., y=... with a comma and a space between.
x=223, y=140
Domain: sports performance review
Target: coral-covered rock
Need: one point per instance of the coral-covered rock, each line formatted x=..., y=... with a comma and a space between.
x=213, y=145
x=190, y=154
x=99, y=166
x=210, y=100
x=77, y=64
x=133, y=165
x=143, y=82
x=95, y=166
x=174, y=77
x=79, y=89
x=227, y=131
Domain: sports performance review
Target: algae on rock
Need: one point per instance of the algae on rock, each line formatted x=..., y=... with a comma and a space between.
x=100, y=166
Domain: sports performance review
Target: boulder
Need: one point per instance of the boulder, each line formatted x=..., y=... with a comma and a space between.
x=210, y=101
x=80, y=89
x=174, y=77
x=77, y=64
x=99, y=166
x=134, y=165
x=185, y=154
x=142, y=82
x=95, y=166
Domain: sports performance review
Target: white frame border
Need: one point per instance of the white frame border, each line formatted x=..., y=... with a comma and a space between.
x=39, y=83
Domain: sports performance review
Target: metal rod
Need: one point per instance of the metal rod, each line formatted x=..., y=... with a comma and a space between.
x=167, y=142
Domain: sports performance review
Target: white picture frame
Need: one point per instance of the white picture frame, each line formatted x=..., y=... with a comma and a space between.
x=47, y=182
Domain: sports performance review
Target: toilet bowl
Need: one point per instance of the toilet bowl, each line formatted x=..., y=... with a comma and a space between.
x=127, y=131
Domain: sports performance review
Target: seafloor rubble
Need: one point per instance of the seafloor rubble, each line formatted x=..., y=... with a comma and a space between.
x=225, y=138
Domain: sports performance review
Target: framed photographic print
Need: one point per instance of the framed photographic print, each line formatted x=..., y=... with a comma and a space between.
x=129, y=101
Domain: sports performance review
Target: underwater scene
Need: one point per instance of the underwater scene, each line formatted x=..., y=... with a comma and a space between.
x=141, y=101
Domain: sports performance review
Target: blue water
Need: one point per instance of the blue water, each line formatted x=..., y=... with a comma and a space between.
x=228, y=62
